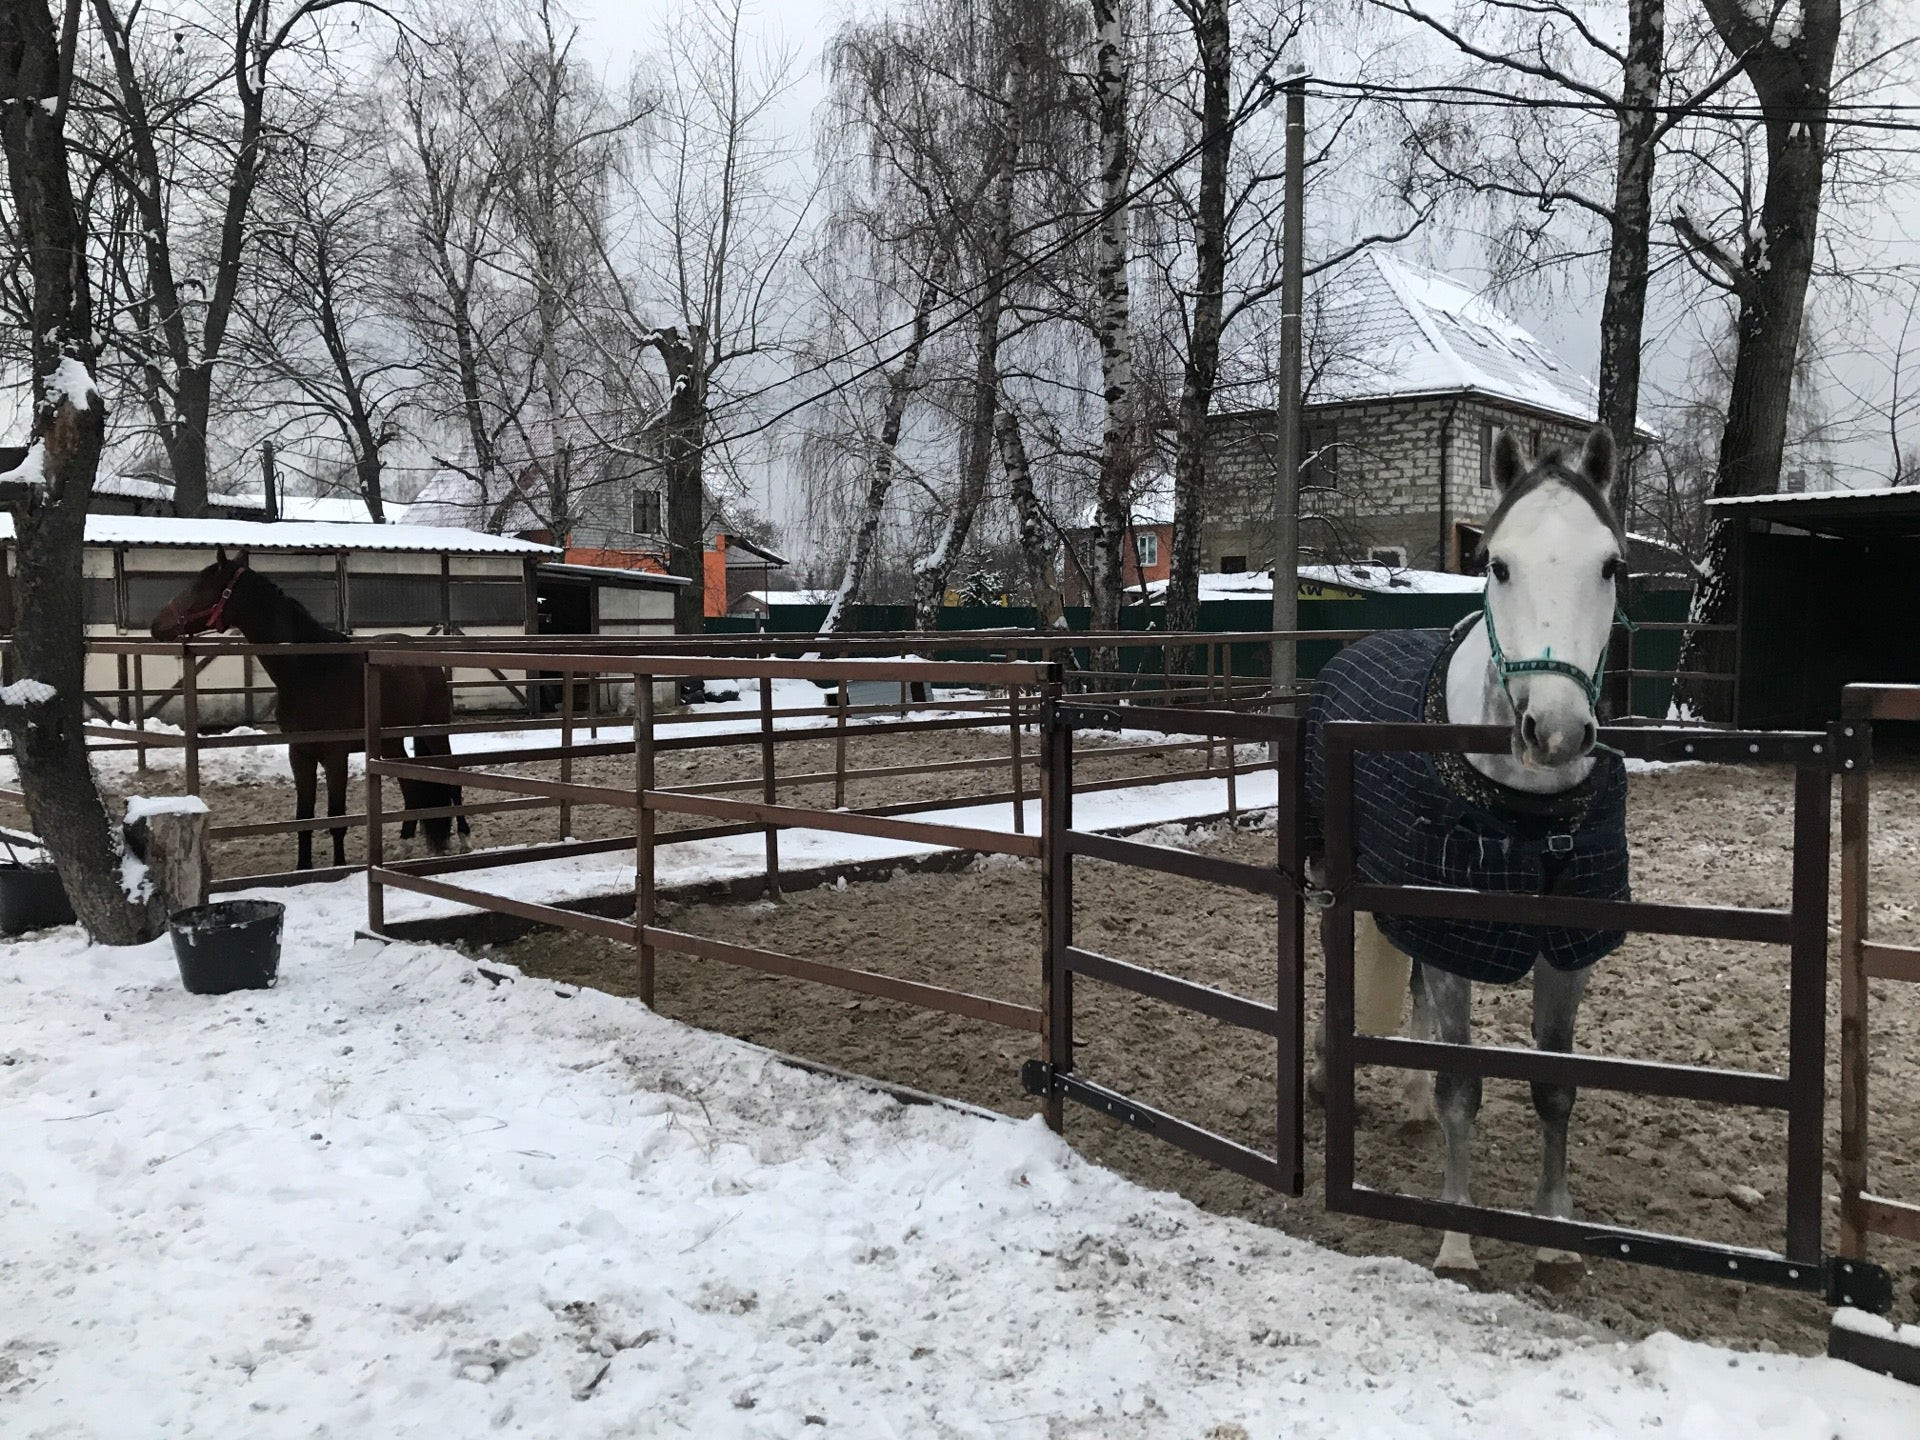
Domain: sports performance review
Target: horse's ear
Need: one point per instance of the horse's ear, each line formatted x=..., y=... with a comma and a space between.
x=1508, y=463
x=220, y=556
x=240, y=559
x=1597, y=464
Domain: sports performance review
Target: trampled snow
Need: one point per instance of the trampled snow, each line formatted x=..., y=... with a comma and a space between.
x=407, y=1195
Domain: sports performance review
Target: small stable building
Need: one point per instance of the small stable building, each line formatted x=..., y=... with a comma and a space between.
x=1826, y=598
x=360, y=579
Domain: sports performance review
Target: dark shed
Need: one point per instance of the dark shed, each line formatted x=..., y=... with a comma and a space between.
x=1829, y=586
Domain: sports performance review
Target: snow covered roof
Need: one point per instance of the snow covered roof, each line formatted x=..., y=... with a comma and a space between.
x=791, y=597
x=1373, y=579
x=165, y=530
x=131, y=487
x=1801, y=497
x=1150, y=504
x=1384, y=328
x=343, y=509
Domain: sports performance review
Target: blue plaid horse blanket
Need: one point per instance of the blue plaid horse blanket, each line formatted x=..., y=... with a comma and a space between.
x=1435, y=820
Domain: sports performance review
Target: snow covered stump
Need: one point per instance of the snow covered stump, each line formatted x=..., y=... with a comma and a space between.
x=167, y=849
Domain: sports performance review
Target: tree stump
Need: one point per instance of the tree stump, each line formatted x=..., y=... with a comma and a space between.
x=170, y=836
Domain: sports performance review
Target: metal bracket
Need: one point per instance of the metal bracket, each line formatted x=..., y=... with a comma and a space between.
x=1088, y=717
x=1850, y=746
x=1858, y=1283
x=1039, y=1078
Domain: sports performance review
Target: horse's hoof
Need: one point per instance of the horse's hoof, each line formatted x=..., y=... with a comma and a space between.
x=1456, y=1261
x=1317, y=1085
x=1418, y=1098
x=1559, y=1270
x=463, y=844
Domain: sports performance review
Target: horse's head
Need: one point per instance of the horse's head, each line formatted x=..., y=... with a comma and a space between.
x=1554, y=550
x=205, y=603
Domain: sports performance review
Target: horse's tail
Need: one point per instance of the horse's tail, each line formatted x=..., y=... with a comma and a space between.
x=437, y=709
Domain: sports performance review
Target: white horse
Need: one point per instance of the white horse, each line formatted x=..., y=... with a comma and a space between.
x=1532, y=662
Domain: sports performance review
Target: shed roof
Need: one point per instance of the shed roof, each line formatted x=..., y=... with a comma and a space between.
x=168, y=531
x=618, y=576
x=1852, y=513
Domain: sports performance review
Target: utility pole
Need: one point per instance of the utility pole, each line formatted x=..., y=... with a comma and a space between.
x=1286, y=410
x=269, y=482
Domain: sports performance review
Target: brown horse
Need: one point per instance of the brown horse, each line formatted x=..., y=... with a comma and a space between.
x=318, y=693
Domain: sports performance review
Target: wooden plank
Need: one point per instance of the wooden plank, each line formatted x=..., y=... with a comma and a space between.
x=794, y=817
x=1891, y=962
x=862, y=982
x=1598, y=1072
x=512, y=784
x=1896, y=1218
x=619, y=930
x=1712, y=922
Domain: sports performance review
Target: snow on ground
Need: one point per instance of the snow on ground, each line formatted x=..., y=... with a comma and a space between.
x=402, y=1196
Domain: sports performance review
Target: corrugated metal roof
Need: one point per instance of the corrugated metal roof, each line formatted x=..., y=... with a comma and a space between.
x=1900, y=498
x=168, y=531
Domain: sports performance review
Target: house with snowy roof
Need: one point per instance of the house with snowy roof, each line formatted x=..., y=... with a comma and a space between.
x=1409, y=374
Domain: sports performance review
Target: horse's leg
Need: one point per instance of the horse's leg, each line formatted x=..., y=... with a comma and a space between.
x=337, y=798
x=1556, y=1001
x=1418, y=1091
x=438, y=832
x=305, y=786
x=1457, y=1098
x=1380, y=975
x=463, y=832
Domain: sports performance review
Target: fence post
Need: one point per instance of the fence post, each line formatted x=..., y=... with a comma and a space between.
x=1854, y=1057
x=1807, y=1012
x=769, y=784
x=246, y=684
x=840, y=748
x=140, y=711
x=566, y=749
x=643, y=900
x=1056, y=897
x=1019, y=786
x=121, y=667
x=190, y=717
x=1233, y=776
x=1210, y=647
x=376, y=838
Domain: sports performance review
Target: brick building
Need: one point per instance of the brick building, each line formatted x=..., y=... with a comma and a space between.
x=1411, y=374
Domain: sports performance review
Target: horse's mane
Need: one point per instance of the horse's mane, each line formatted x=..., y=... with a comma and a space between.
x=1556, y=467
x=305, y=628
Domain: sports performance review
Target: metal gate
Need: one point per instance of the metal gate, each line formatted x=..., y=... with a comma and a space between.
x=1801, y=1263
x=1054, y=1076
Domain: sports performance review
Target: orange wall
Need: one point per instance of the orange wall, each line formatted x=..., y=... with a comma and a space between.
x=714, y=563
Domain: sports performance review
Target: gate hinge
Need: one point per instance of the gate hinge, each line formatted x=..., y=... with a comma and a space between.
x=1089, y=717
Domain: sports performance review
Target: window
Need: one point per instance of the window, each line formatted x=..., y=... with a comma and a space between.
x=1233, y=564
x=646, y=512
x=1320, y=468
x=412, y=600
x=488, y=602
x=1146, y=548
x=97, y=593
x=1395, y=555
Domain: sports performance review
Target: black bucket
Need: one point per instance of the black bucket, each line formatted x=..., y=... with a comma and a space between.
x=31, y=898
x=228, y=945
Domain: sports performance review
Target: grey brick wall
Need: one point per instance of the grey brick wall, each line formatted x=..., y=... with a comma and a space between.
x=1379, y=470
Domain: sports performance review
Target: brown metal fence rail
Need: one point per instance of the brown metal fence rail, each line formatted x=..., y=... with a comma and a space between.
x=647, y=800
x=1802, y=1263
x=1862, y=1212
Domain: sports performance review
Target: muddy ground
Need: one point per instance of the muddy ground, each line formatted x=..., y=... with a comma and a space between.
x=1701, y=834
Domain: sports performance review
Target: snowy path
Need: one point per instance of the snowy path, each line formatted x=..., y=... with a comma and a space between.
x=394, y=1198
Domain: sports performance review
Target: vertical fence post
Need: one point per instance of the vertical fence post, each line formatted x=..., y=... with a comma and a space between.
x=1854, y=1066
x=566, y=749
x=769, y=784
x=1056, y=896
x=643, y=900
x=190, y=717
x=1807, y=1012
x=121, y=667
x=376, y=837
x=140, y=711
x=1230, y=745
x=1336, y=941
x=1290, y=992
x=840, y=747
x=246, y=683
x=1019, y=776
x=1210, y=700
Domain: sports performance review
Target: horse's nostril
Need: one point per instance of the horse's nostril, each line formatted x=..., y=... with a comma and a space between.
x=1529, y=729
x=1588, y=735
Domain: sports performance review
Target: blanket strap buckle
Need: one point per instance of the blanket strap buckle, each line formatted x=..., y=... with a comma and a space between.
x=1559, y=844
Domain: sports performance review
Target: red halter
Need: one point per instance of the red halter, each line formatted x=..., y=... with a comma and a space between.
x=215, y=615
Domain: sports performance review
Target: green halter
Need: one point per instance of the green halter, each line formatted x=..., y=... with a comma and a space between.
x=1506, y=669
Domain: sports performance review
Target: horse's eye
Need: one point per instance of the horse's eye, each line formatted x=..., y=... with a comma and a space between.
x=1499, y=570
x=1610, y=570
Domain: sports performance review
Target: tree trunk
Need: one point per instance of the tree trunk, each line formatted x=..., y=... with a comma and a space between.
x=1119, y=443
x=1623, y=310
x=367, y=467
x=1036, y=539
x=45, y=720
x=1770, y=278
x=901, y=386
x=935, y=570
x=186, y=440
x=684, y=433
x=1213, y=40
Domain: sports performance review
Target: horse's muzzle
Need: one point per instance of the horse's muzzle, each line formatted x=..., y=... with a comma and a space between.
x=1557, y=740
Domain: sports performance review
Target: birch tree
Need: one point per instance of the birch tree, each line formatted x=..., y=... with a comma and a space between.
x=1120, y=440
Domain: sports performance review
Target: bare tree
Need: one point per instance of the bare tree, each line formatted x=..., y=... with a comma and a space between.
x=44, y=707
x=318, y=316
x=191, y=170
